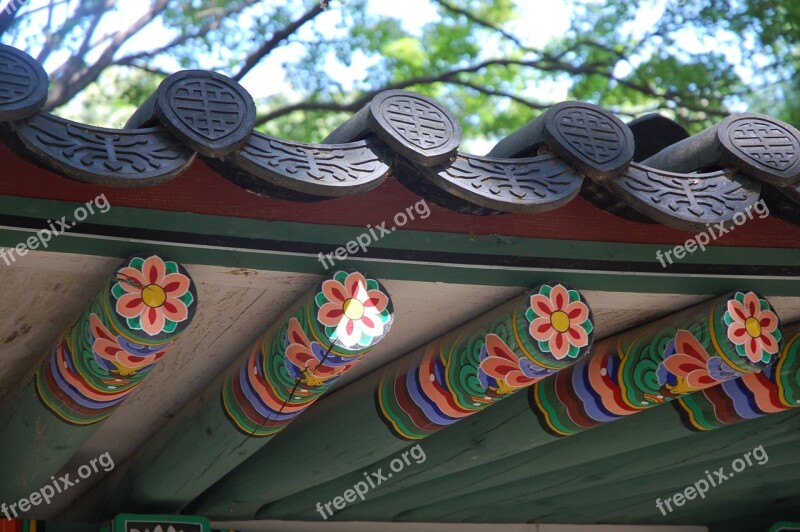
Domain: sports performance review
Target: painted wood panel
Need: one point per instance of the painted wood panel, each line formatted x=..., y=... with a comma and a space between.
x=200, y=190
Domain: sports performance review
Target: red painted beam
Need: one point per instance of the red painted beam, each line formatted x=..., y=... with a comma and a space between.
x=200, y=190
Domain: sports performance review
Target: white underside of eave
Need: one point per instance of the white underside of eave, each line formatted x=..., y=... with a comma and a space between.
x=43, y=292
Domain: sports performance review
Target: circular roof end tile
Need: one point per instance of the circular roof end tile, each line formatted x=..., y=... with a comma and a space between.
x=589, y=138
x=23, y=85
x=211, y=113
x=761, y=146
x=415, y=126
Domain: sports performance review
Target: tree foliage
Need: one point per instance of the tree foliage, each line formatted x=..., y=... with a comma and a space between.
x=695, y=59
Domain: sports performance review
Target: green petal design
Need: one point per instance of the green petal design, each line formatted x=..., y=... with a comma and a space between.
x=137, y=263
x=134, y=323
x=530, y=315
x=320, y=299
x=170, y=267
x=728, y=319
x=187, y=298
x=544, y=346
x=573, y=351
x=573, y=296
x=118, y=291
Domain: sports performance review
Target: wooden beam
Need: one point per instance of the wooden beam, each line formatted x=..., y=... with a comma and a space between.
x=439, y=384
x=645, y=444
x=319, y=338
x=663, y=467
x=627, y=373
x=634, y=500
x=96, y=364
x=776, y=389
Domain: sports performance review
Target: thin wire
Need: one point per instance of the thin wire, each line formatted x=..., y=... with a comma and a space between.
x=121, y=277
x=285, y=402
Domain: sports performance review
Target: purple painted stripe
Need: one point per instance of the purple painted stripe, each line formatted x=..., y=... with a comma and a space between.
x=76, y=394
x=742, y=399
x=255, y=400
x=425, y=404
x=591, y=401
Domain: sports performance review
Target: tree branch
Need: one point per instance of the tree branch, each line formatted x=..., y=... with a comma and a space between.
x=492, y=92
x=87, y=38
x=54, y=39
x=75, y=79
x=214, y=24
x=144, y=68
x=257, y=55
x=451, y=76
x=7, y=19
x=486, y=24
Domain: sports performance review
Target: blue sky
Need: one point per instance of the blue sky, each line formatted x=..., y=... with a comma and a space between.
x=539, y=22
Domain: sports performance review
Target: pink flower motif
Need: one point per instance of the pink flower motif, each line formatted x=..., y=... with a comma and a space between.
x=152, y=295
x=753, y=328
x=686, y=366
x=502, y=371
x=558, y=324
x=306, y=358
x=352, y=310
x=124, y=362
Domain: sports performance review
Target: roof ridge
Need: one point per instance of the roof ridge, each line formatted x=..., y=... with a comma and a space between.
x=685, y=182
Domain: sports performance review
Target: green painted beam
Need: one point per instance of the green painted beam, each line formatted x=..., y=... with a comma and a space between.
x=635, y=443
x=630, y=372
x=737, y=498
x=548, y=458
x=441, y=384
x=102, y=357
x=770, y=391
x=776, y=389
x=295, y=361
x=408, y=255
x=634, y=500
x=659, y=465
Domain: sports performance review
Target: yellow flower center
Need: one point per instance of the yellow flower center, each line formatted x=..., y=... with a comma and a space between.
x=753, y=327
x=560, y=321
x=353, y=309
x=153, y=295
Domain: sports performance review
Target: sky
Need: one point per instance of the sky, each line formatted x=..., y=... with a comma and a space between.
x=536, y=26
x=413, y=13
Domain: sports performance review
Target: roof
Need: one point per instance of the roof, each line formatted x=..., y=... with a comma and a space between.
x=647, y=170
